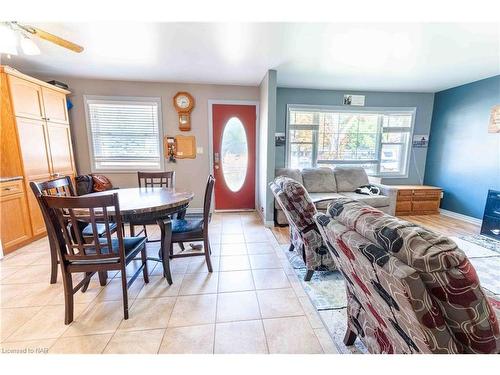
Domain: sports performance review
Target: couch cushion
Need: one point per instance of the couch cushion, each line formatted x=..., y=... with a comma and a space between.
x=319, y=180
x=350, y=178
x=371, y=200
x=320, y=196
x=294, y=174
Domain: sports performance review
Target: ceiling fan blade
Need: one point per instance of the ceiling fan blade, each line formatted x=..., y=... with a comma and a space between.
x=52, y=38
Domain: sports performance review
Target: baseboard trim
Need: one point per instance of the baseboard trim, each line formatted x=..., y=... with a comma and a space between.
x=456, y=215
x=194, y=210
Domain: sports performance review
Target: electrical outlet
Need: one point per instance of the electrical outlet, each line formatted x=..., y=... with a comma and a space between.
x=199, y=150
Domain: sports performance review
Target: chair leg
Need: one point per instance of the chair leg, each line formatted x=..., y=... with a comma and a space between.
x=68, y=298
x=166, y=247
x=53, y=265
x=125, y=293
x=145, y=231
x=309, y=275
x=350, y=337
x=132, y=230
x=86, y=285
x=144, y=259
x=181, y=245
x=291, y=247
x=103, y=277
x=206, y=246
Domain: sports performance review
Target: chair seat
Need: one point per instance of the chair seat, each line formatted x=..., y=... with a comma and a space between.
x=132, y=246
x=101, y=229
x=187, y=225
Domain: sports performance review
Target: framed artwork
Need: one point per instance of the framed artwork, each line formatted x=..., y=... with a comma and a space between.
x=494, y=126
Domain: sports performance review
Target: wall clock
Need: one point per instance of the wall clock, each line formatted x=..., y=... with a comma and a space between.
x=184, y=104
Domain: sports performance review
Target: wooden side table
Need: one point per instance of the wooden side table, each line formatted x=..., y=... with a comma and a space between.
x=417, y=199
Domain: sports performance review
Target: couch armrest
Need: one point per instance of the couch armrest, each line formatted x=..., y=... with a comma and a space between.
x=392, y=193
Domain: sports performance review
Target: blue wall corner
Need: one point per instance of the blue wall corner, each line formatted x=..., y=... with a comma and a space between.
x=463, y=158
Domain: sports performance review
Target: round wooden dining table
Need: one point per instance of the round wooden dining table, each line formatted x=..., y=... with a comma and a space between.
x=147, y=205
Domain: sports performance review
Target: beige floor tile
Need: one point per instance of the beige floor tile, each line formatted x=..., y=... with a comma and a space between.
x=276, y=303
x=47, y=323
x=12, y=319
x=199, y=265
x=234, y=281
x=99, y=318
x=232, y=238
x=311, y=313
x=325, y=341
x=136, y=342
x=199, y=283
x=28, y=275
x=232, y=227
x=90, y=294
x=253, y=236
x=291, y=335
x=7, y=272
x=260, y=261
x=270, y=279
x=25, y=258
x=237, y=306
x=178, y=265
x=91, y=344
x=27, y=347
x=260, y=248
x=193, y=310
x=188, y=340
x=240, y=338
x=159, y=287
x=113, y=291
x=233, y=249
x=234, y=263
x=150, y=313
x=12, y=295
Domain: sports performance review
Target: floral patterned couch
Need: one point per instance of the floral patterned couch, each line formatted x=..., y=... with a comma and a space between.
x=304, y=235
x=409, y=290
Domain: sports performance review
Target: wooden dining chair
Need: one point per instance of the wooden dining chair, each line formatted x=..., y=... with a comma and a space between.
x=104, y=253
x=155, y=179
x=63, y=187
x=184, y=230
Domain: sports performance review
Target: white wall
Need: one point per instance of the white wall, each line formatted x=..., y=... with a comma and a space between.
x=266, y=154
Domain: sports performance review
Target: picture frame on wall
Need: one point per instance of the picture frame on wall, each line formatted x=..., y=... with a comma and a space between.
x=494, y=125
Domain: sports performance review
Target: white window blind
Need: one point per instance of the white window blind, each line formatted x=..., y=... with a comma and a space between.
x=375, y=139
x=125, y=134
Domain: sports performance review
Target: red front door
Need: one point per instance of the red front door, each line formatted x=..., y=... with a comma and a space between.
x=234, y=156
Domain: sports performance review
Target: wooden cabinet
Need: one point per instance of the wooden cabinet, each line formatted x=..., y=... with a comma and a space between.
x=54, y=103
x=14, y=216
x=26, y=97
x=417, y=200
x=61, y=151
x=36, y=146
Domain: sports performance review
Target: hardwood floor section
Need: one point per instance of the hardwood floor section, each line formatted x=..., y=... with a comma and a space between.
x=438, y=223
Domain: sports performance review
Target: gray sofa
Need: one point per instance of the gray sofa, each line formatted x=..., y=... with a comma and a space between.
x=326, y=184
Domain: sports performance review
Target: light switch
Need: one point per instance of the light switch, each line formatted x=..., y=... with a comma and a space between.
x=199, y=150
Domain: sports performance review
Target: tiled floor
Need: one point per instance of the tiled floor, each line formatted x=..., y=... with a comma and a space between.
x=251, y=303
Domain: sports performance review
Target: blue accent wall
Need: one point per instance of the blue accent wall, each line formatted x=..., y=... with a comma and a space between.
x=422, y=101
x=463, y=158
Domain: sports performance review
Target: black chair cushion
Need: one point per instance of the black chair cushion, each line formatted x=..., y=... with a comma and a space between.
x=132, y=246
x=101, y=229
x=189, y=225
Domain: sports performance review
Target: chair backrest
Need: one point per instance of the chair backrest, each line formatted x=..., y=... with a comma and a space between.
x=207, y=202
x=64, y=214
x=295, y=202
x=61, y=187
x=409, y=290
x=156, y=179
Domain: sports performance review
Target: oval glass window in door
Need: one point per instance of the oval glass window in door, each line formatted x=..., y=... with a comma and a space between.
x=234, y=154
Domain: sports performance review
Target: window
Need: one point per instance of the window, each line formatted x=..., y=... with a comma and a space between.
x=124, y=133
x=375, y=139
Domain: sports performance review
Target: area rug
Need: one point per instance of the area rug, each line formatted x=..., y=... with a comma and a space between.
x=483, y=241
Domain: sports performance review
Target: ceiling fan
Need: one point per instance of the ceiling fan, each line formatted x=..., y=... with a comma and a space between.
x=10, y=31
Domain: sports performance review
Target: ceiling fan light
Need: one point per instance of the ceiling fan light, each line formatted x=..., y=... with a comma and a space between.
x=8, y=40
x=28, y=46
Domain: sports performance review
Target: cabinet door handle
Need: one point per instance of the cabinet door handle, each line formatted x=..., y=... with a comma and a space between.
x=7, y=189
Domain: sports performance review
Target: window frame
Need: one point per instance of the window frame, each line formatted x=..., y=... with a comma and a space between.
x=342, y=109
x=123, y=99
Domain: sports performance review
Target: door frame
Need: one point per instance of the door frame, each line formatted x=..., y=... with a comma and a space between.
x=211, y=102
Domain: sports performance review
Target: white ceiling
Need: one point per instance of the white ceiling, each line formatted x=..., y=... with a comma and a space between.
x=391, y=57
